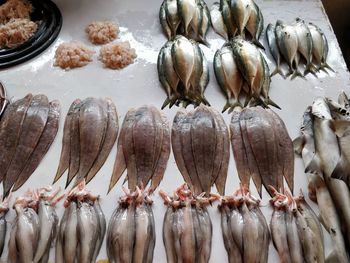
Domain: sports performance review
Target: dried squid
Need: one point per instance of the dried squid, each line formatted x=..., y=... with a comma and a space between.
x=35, y=226
x=238, y=17
x=262, y=148
x=244, y=228
x=90, y=131
x=131, y=233
x=200, y=142
x=183, y=72
x=241, y=70
x=143, y=148
x=27, y=129
x=296, y=231
x=82, y=227
x=187, y=228
x=189, y=18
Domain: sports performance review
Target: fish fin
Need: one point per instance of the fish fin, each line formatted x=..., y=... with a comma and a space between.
x=166, y=102
x=314, y=166
x=340, y=171
x=298, y=144
x=118, y=169
x=268, y=101
x=326, y=66
x=310, y=69
x=257, y=43
x=341, y=127
x=227, y=106
x=278, y=70
x=297, y=73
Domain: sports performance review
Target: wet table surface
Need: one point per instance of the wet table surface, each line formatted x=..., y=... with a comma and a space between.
x=138, y=84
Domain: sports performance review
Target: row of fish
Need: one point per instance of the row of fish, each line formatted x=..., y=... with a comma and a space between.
x=82, y=228
x=295, y=229
x=244, y=228
x=189, y=18
x=241, y=70
x=34, y=228
x=262, y=149
x=322, y=151
x=298, y=44
x=28, y=127
x=90, y=131
x=237, y=17
x=183, y=72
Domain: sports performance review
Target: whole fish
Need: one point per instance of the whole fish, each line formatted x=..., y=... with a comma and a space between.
x=295, y=248
x=164, y=22
x=266, y=84
x=228, y=18
x=250, y=234
x=217, y=20
x=10, y=129
x=93, y=118
x=241, y=10
x=172, y=16
x=70, y=236
x=65, y=152
x=31, y=130
x=109, y=140
x=255, y=24
x=44, y=143
x=168, y=236
x=287, y=41
x=228, y=76
x=196, y=21
x=186, y=9
x=59, y=258
x=305, y=44
x=273, y=46
x=101, y=228
x=196, y=74
x=204, y=80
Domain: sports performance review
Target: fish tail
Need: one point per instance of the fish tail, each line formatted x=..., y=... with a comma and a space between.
x=204, y=41
x=166, y=102
x=297, y=73
x=235, y=105
x=310, y=68
x=268, y=101
x=325, y=65
x=227, y=105
x=257, y=43
x=278, y=70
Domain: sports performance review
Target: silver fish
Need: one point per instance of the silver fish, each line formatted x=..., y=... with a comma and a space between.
x=255, y=24
x=217, y=20
x=163, y=21
x=172, y=16
x=272, y=42
x=101, y=229
x=241, y=10
x=227, y=16
x=70, y=237
x=186, y=9
x=168, y=236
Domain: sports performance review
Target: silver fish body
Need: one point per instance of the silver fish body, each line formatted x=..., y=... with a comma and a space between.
x=274, y=50
x=217, y=20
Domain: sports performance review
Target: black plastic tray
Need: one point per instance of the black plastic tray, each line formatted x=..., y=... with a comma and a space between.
x=51, y=22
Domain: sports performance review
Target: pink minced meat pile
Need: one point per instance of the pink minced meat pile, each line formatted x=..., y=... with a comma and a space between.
x=16, y=32
x=118, y=55
x=72, y=55
x=102, y=32
x=15, y=9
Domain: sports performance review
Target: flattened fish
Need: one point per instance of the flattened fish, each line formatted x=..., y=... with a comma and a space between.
x=32, y=128
x=43, y=145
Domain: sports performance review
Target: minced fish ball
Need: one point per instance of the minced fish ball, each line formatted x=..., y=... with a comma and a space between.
x=117, y=56
x=72, y=55
x=102, y=32
x=15, y=9
x=16, y=32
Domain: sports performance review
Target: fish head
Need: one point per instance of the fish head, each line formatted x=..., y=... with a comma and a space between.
x=307, y=122
x=320, y=109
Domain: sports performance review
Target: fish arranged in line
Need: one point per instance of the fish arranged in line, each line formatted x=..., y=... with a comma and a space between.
x=190, y=18
x=82, y=227
x=27, y=130
x=322, y=153
x=262, y=148
x=4, y=208
x=238, y=17
x=3, y=98
x=244, y=228
x=143, y=148
x=242, y=71
x=90, y=131
x=295, y=229
x=183, y=72
x=35, y=226
x=187, y=227
x=131, y=233
x=200, y=142
x=298, y=44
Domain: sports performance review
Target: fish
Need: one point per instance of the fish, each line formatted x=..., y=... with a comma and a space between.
x=93, y=118
x=59, y=258
x=3, y=99
x=183, y=55
x=295, y=249
x=204, y=80
x=31, y=130
x=241, y=11
x=227, y=16
x=196, y=21
x=250, y=234
x=274, y=50
x=172, y=16
x=87, y=228
x=168, y=236
x=217, y=20
x=204, y=26
x=196, y=75
x=255, y=24
x=228, y=76
x=47, y=137
x=287, y=41
x=163, y=21
x=186, y=9
x=12, y=256
x=101, y=229
x=70, y=236
x=65, y=152
x=109, y=140
x=266, y=85
x=10, y=129
x=305, y=44
x=74, y=148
